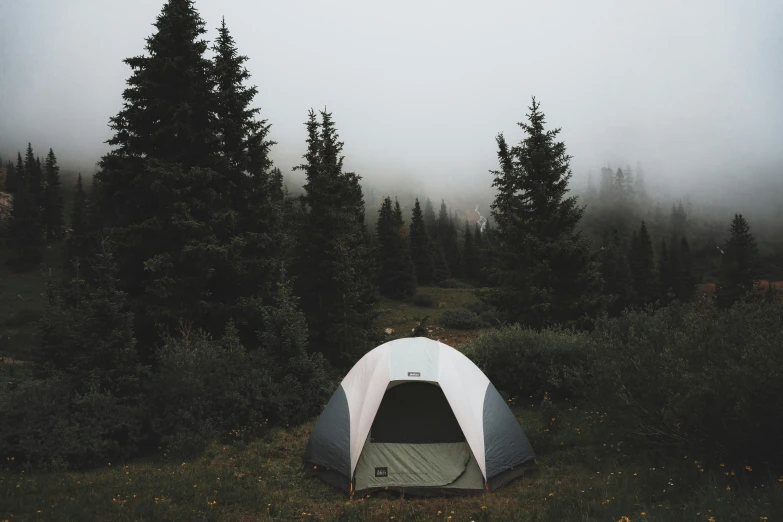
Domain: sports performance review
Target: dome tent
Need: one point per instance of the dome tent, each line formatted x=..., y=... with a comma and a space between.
x=417, y=415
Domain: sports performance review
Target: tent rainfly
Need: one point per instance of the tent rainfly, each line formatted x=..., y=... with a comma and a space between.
x=416, y=415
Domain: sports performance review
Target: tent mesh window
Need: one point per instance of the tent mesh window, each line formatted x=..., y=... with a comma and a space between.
x=415, y=413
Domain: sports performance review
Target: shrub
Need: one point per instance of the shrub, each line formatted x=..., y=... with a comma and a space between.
x=523, y=362
x=460, y=318
x=425, y=300
x=452, y=283
x=477, y=306
x=692, y=376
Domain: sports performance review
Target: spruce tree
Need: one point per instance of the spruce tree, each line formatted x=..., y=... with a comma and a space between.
x=430, y=221
x=665, y=272
x=420, y=247
x=397, y=276
x=470, y=255
x=75, y=242
x=738, y=273
x=616, y=273
x=26, y=225
x=642, y=261
x=684, y=280
x=162, y=201
x=544, y=268
x=20, y=171
x=33, y=176
x=440, y=265
x=53, y=201
x=11, y=178
x=333, y=282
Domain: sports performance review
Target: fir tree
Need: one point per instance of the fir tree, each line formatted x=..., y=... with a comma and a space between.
x=397, y=276
x=26, y=226
x=684, y=280
x=642, y=263
x=11, y=179
x=20, y=172
x=53, y=201
x=544, y=269
x=441, y=266
x=739, y=266
x=666, y=262
x=332, y=279
x=616, y=273
x=75, y=243
x=470, y=255
x=430, y=221
x=33, y=176
x=420, y=246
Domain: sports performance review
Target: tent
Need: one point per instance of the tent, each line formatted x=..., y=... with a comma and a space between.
x=418, y=416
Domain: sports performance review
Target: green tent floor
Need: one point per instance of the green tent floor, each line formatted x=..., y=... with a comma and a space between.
x=437, y=465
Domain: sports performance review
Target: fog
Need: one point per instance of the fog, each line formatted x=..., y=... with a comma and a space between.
x=419, y=90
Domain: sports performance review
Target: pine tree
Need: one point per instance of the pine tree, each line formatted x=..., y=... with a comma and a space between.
x=420, y=247
x=665, y=271
x=616, y=273
x=397, y=276
x=75, y=243
x=20, y=171
x=642, y=263
x=26, y=226
x=544, y=268
x=11, y=178
x=480, y=247
x=163, y=201
x=430, y=221
x=470, y=255
x=739, y=266
x=441, y=266
x=684, y=280
x=33, y=176
x=332, y=280
x=53, y=201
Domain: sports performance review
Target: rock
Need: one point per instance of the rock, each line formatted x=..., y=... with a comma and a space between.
x=389, y=331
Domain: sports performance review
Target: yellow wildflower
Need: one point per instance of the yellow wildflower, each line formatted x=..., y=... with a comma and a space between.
x=748, y=468
x=728, y=488
x=624, y=519
x=551, y=494
x=643, y=514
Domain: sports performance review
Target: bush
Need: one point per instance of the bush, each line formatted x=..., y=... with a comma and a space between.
x=453, y=283
x=461, y=319
x=425, y=300
x=46, y=422
x=523, y=362
x=477, y=306
x=694, y=377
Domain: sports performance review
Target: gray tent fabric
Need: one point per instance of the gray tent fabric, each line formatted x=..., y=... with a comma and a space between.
x=418, y=416
x=329, y=444
x=505, y=444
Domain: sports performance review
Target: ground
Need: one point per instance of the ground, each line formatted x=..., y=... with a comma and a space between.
x=583, y=471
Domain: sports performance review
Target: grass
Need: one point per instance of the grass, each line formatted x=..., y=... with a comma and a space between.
x=584, y=472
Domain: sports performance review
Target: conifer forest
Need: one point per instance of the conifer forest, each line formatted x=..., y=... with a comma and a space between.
x=209, y=212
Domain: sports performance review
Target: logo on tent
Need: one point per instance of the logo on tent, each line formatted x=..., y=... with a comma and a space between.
x=414, y=374
x=381, y=472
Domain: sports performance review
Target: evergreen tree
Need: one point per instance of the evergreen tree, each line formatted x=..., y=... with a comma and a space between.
x=75, y=243
x=684, y=280
x=53, y=201
x=11, y=178
x=421, y=252
x=441, y=266
x=616, y=273
x=20, y=171
x=332, y=279
x=480, y=247
x=666, y=263
x=642, y=262
x=430, y=221
x=162, y=201
x=470, y=255
x=739, y=266
x=33, y=176
x=397, y=276
x=544, y=269
x=26, y=226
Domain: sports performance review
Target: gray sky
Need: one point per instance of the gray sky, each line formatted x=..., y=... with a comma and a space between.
x=419, y=89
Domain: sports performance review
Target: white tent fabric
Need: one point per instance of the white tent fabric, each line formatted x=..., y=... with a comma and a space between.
x=412, y=360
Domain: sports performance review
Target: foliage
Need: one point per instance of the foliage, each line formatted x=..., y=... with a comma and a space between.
x=665, y=375
x=461, y=319
x=642, y=262
x=522, y=362
x=739, y=264
x=544, y=268
x=397, y=273
x=52, y=200
x=425, y=300
x=420, y=247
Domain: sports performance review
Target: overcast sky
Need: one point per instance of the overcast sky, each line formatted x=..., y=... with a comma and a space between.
x=419, y=89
